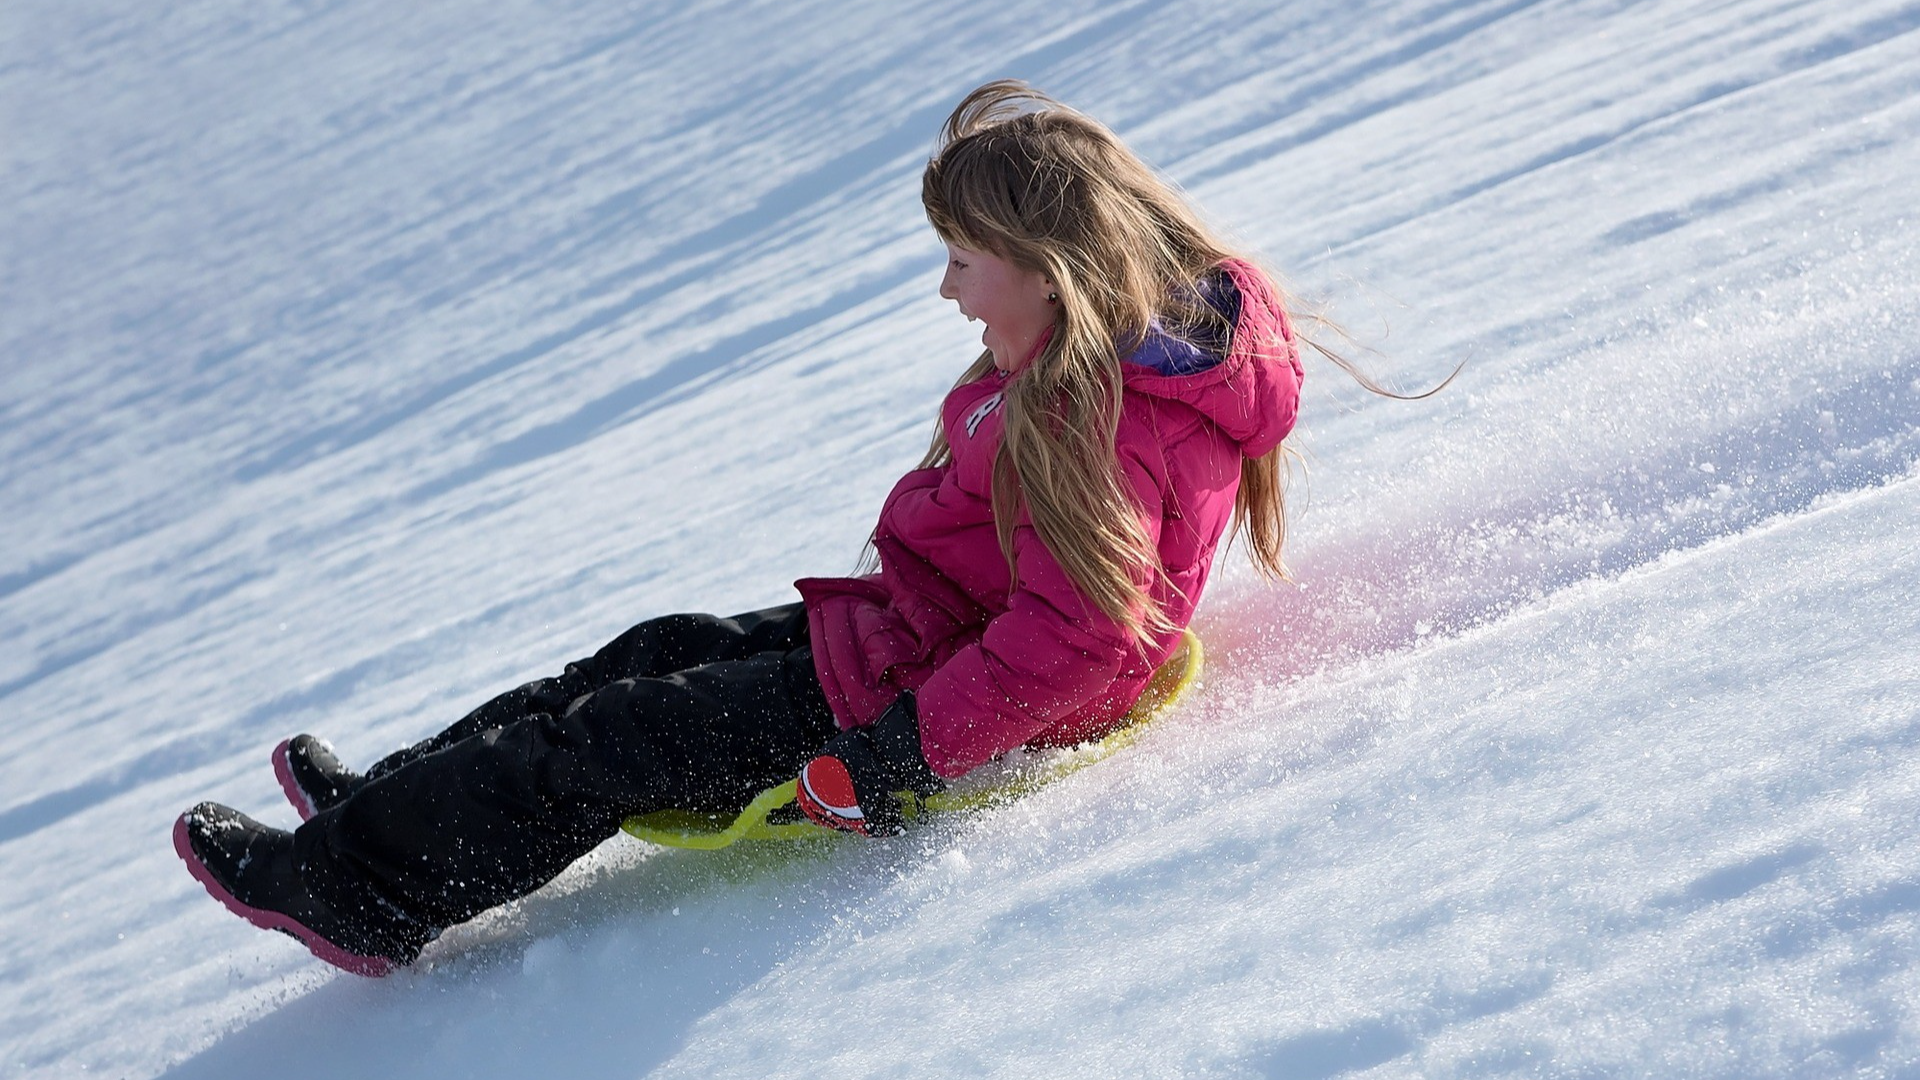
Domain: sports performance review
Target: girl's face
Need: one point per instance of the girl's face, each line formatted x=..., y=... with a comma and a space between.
x=1011, y=301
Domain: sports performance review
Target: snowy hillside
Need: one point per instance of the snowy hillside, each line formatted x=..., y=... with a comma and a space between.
x=360, y=360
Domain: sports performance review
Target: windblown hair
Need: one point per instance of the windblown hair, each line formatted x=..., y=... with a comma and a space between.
x=1049, y=189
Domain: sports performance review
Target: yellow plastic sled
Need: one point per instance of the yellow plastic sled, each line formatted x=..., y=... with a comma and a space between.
x=774, y=816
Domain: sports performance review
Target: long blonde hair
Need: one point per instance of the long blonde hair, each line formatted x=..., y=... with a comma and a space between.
x=1052, y=190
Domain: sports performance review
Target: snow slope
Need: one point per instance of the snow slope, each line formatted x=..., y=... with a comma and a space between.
x=364, y=359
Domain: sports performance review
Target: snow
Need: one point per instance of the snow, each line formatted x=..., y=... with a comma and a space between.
x=363, y=360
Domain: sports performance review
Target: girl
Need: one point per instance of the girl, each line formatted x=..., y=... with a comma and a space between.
x=1127, y=411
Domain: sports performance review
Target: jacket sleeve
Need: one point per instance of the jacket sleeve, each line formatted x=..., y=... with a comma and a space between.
x=1051, y=652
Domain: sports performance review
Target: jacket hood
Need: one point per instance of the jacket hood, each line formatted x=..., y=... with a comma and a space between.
x=1250, y=388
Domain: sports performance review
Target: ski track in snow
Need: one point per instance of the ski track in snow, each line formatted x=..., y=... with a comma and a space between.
x=363, y=361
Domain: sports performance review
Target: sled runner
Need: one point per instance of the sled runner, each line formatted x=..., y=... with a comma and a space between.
x=773, y=815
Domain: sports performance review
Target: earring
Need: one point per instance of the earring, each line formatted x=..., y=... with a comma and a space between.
x=1053, y=298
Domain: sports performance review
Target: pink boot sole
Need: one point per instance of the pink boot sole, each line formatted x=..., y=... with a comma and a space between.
x=284, y=773
x=372, y=967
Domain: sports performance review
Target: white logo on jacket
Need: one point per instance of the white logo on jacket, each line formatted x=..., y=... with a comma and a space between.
x=981, y=410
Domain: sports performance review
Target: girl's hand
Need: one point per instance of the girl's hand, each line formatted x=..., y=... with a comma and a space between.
x=851, y=785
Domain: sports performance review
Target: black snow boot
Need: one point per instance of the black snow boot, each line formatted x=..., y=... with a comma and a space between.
x=251, y=869
x=312, y=777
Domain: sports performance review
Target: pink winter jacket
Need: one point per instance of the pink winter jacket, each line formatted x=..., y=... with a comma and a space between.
x=996, y=660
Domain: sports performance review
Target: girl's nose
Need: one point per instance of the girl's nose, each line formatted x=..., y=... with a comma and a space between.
x=946, y=286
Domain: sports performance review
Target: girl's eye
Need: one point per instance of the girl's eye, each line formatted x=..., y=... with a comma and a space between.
x=957, y=264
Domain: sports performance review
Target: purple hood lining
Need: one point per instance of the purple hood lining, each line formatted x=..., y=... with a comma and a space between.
x=1191, y=351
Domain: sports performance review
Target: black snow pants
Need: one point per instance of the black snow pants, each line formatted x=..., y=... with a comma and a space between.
x=686, y=712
